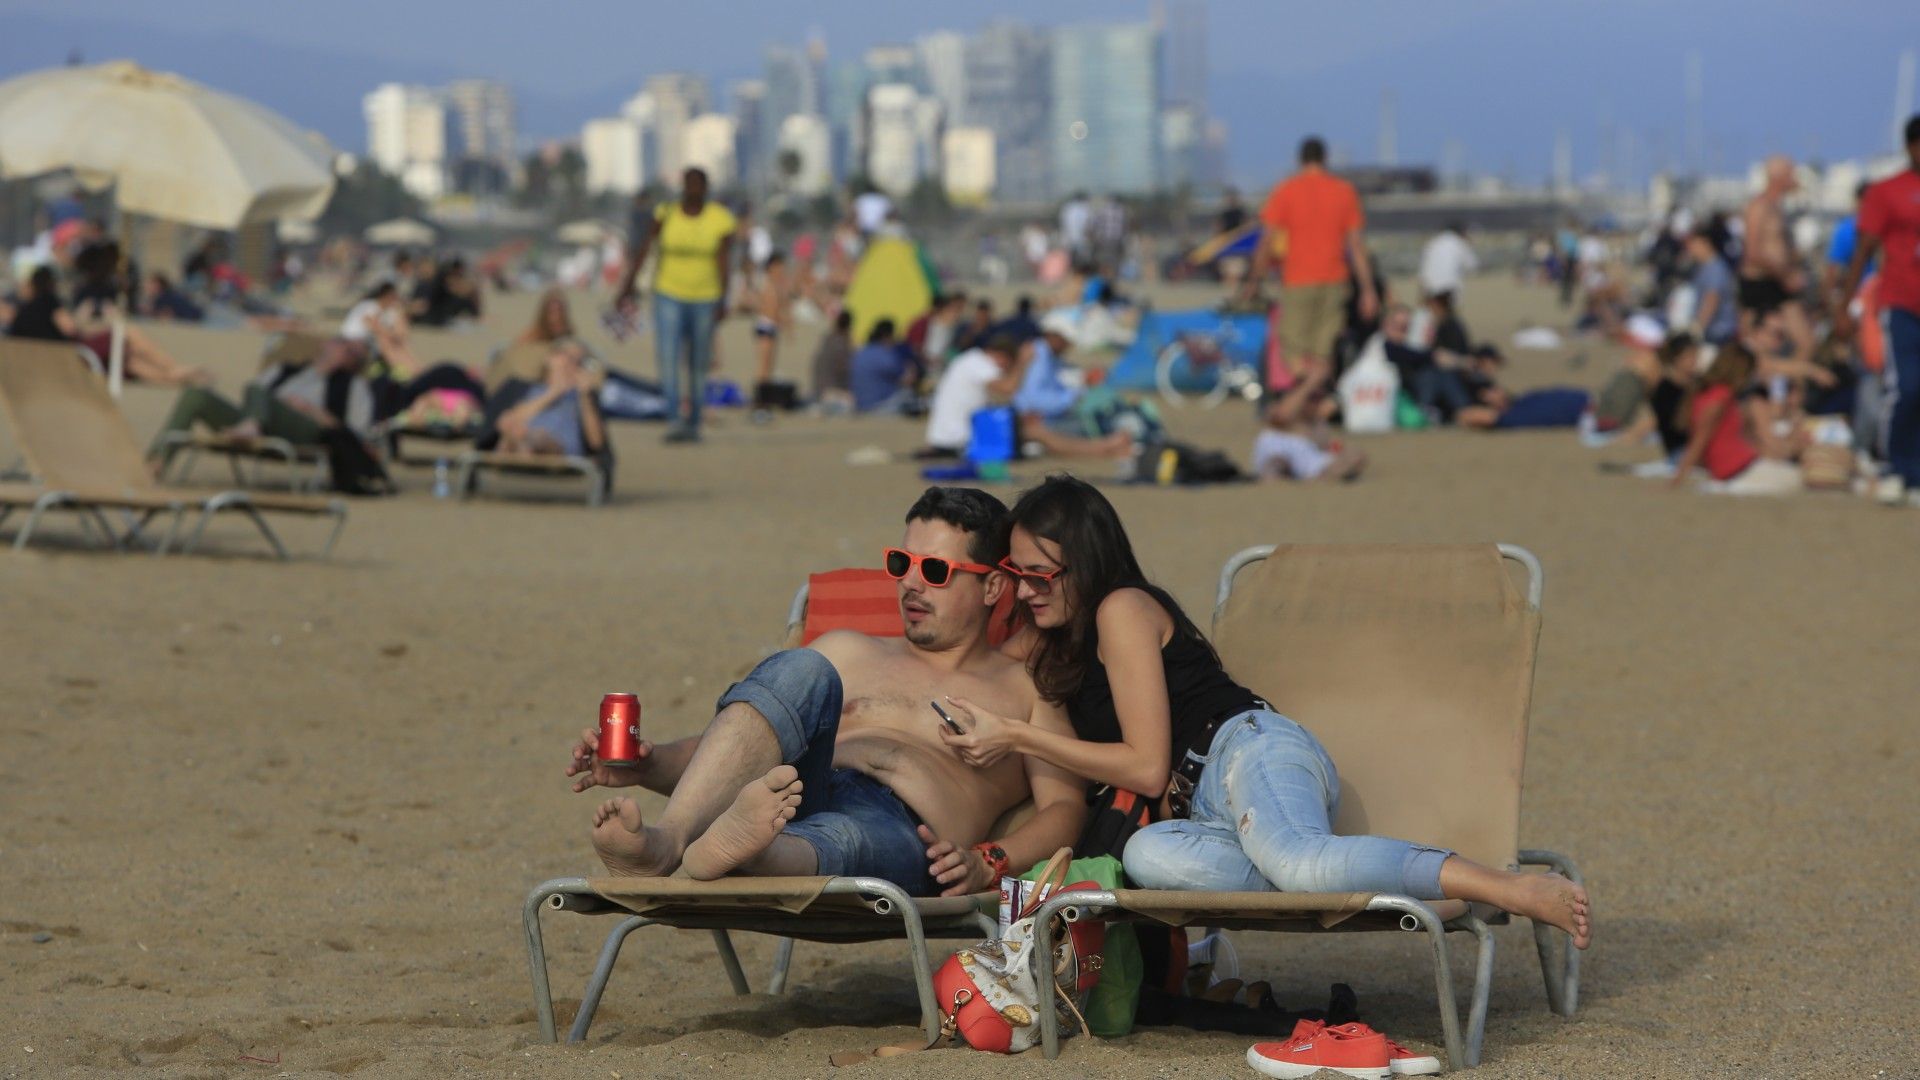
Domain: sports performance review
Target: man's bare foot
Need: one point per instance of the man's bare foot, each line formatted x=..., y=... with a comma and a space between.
x=744, y=830
x=627, y=846
x=1552, y=899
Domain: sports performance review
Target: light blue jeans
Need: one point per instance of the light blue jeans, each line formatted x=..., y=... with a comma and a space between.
x=683, y=335
x=1263, y=820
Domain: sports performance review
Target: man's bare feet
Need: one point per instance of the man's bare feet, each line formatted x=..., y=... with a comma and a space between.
x=744, y=830
x=1552, y=899
x=627, y=846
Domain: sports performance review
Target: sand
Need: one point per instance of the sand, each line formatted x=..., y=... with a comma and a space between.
x=289, y=811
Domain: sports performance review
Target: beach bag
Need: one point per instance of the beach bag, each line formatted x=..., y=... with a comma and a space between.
x=1407, y=413
x=1116, y=996
x=1174, y=463
x=1369, y=390
x=988, y=994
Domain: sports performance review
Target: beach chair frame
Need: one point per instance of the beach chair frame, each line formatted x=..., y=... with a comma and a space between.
x=1559, y=961
x=883, y=912
x=469, y=464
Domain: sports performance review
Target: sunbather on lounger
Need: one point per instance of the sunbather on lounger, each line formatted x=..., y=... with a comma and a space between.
x=1145, y=689
x=826, y=760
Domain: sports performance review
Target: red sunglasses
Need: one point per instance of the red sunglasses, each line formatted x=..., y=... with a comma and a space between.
x=934, y=570
x=1040, y=581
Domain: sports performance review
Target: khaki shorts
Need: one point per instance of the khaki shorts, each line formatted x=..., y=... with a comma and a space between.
x=1311, y=317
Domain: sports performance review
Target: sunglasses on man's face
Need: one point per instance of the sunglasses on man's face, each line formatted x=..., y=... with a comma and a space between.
x=934, y=570
x=1040, y=581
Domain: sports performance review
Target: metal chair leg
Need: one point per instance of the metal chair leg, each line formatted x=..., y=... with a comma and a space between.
x=782, y=963
x=40, y=506
x=339, y=511
x=537, y=960
x=730, y=960
x=602, y=971
x=1560, y=972
x=1422, y=917
x=1482, y=986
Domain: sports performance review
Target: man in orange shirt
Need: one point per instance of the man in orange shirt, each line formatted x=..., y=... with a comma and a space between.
x=1319, y=215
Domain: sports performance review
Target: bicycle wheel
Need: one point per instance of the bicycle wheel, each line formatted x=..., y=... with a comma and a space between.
x=1182, y=381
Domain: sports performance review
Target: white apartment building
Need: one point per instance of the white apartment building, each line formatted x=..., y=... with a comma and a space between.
x=967, y=165
x=615, y=152
x=810, y=140
x=407, y=136
x=893, y=137
x=709, y=142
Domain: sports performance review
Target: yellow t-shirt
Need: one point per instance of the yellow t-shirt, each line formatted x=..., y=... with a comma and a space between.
x=689, y=247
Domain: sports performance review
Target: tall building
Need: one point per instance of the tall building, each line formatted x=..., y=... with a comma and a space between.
x=895, y=64
x=893, y=137
x=482, y=116
x=1008, y=80
x=615, y=155
x=1106, y=104
x=943, y=61
x=793, y=84
x=407, y=136
x=1183, y=31
x=846, y=110
x=1182, y=147
x=677, y=98
x=753, y=142
x=967, y=165
x=803, y=164
x=708, y=143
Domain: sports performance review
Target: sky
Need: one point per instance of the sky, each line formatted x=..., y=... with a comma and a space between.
x=1489, y=83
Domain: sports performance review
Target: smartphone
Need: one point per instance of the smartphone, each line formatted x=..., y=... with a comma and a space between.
x=957, y=730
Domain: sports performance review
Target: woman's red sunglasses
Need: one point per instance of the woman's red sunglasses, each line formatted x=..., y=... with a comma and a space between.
x=934, y=570
x=1040, y=581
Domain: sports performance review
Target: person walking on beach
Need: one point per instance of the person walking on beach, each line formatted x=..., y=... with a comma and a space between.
x=1890, y=227
x=1319, y=213
x=695, y=238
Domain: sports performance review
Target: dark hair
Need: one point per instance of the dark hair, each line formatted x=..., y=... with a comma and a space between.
x=693, y=171
x=1025, y=307
x=1675, y=347
x=385, y=288
x=44, y=283
x=844, y=320
x=977, y=513
x=1913, y=129
x=1313, y=151
x=1095, y=551
x=1732, y=366
x=1005, y=344
x=882, y=332
x=776, y=259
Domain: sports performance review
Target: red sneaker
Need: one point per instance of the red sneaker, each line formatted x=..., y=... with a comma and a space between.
x=1405, y=1062
x=1350, y=1049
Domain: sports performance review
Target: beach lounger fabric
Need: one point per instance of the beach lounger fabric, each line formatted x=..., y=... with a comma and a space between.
x=838, y=910
x=1414, y=668
x=83, y=456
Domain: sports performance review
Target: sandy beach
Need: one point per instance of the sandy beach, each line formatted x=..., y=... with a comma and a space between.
x=277, y=819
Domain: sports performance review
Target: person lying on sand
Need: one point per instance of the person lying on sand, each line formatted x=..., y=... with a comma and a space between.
x=827, y=759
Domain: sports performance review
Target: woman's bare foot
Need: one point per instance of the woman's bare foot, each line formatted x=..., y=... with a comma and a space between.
x=1552, y=899
x=744, y=830
x=627, y=846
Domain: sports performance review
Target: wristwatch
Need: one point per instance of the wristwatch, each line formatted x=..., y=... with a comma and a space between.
x=996, y=857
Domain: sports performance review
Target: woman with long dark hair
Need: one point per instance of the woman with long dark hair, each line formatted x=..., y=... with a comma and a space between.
x=1252, y=805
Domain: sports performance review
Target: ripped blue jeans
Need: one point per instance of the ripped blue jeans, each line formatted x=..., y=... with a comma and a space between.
x=1263, y=820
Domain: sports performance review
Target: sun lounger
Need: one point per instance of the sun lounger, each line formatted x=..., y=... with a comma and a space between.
x=837, y=910
x=525, y=363
x=82, y=456
x=1414, y=667
x=303, y=464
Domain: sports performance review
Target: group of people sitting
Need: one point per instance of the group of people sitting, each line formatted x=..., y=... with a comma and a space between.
x=828, y=760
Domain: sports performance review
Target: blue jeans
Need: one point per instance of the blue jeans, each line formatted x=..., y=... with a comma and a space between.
x=855, y=824
x=683, y=332
x=1263, y=820
x=1903, y=414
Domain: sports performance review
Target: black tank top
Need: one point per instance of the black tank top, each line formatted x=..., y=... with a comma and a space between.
x=1198, y=689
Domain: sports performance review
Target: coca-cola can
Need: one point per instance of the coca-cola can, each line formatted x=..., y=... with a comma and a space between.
x=619, y=729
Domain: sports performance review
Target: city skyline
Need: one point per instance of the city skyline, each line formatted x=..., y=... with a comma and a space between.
x=1487, y=85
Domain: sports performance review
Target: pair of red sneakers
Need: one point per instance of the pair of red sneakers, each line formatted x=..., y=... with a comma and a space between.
x=1351, y=1049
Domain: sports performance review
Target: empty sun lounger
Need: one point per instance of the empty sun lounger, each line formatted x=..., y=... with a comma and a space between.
x=837, y=910
x=1414, y=668
x=82, y=456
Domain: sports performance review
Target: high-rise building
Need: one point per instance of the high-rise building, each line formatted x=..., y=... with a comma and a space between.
x=407, y=136
x=1182, y=145
x=893, y=137
x=753, y=143
x=615, y=155
x=895, y=64
x=943, y=61
x=803, y=164
x=677, y=98
x=1183, y=32
x=793, y=84
x=967, y=165
x=1007, y=83
x=708, y=143
x=846, y=105
x=482, y=116
x=1106, y=103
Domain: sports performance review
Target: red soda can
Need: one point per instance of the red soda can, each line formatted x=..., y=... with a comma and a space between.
x=619, y=729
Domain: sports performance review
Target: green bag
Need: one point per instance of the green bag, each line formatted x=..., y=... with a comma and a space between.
x=1407, y=413
x=1111, y=1005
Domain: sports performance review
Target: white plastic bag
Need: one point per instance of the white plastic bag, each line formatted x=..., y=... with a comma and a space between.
x=1369, y=390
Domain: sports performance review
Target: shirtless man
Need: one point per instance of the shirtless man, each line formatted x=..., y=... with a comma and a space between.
x=773, y=306
x=1770, y=277
x=825, y=760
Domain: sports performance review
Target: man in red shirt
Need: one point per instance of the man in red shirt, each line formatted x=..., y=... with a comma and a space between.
x=1890, y=224
x=1319, y=215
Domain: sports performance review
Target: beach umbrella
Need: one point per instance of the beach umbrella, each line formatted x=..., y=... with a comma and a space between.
x=586, y=232
x=170, y=147
x=400, y=232
x=297, y=232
